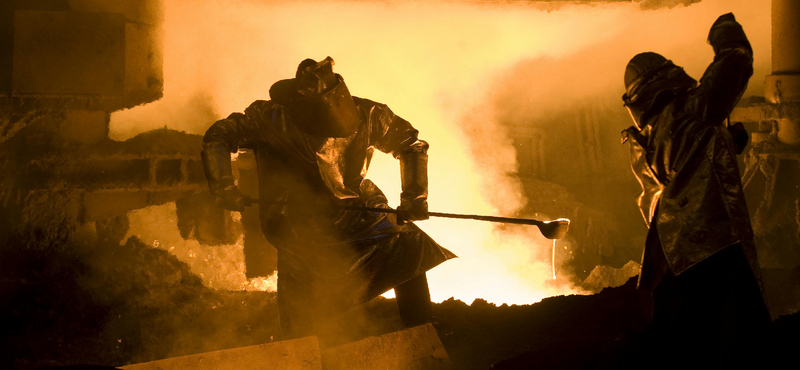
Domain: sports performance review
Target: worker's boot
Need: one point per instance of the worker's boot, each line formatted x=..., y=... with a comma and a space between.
x=414, y=301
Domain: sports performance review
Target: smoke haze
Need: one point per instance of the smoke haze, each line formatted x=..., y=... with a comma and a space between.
x=454, y=70
x=656, y=4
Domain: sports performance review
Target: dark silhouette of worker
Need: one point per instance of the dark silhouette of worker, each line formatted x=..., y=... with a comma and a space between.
x=313, y=143
x=699, y=259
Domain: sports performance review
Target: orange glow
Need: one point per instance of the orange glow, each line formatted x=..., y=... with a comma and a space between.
x=434, y=64
x=220, y=267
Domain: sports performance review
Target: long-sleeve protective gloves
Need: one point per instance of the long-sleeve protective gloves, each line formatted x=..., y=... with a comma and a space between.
x=414, y=182
x=217, y=166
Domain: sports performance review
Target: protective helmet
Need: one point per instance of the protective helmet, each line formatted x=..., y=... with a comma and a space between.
x=650, y=81
x=317, y=100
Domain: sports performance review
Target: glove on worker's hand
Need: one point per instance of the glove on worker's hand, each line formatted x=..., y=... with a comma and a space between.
x=740, y=136
x=229, y=196
x=726, y=33
x=412, y=210
x=217, y=166
x=414, y=181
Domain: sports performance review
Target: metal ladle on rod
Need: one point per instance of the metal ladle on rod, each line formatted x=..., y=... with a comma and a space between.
x=555, y=229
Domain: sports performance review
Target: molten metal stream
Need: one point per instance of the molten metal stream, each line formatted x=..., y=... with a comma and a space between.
x=553, y=259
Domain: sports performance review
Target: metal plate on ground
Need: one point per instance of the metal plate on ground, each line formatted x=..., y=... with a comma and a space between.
x=295, y=354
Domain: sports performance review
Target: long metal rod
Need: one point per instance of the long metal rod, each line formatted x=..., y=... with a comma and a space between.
x=509, y=220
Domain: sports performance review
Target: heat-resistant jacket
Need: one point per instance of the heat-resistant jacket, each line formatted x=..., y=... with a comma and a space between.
x=329, y=258
x=685, y=160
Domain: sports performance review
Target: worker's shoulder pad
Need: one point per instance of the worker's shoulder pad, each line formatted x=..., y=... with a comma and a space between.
x=261, y=105
x=261, y=109
x=366, y=103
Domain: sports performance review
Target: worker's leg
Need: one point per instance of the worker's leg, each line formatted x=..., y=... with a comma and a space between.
x=414, y=301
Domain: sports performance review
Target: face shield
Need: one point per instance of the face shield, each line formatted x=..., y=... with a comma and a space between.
x=318, y=101
x=651, y=80
x=633, y=117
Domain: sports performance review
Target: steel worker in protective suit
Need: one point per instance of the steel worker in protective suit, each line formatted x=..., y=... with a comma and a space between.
x=699, y=260
x=313, y=143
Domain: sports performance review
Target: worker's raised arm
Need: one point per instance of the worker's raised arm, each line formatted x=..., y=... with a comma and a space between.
x=725, y=80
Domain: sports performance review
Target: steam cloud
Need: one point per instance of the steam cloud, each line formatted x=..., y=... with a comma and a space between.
x=442, y=66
